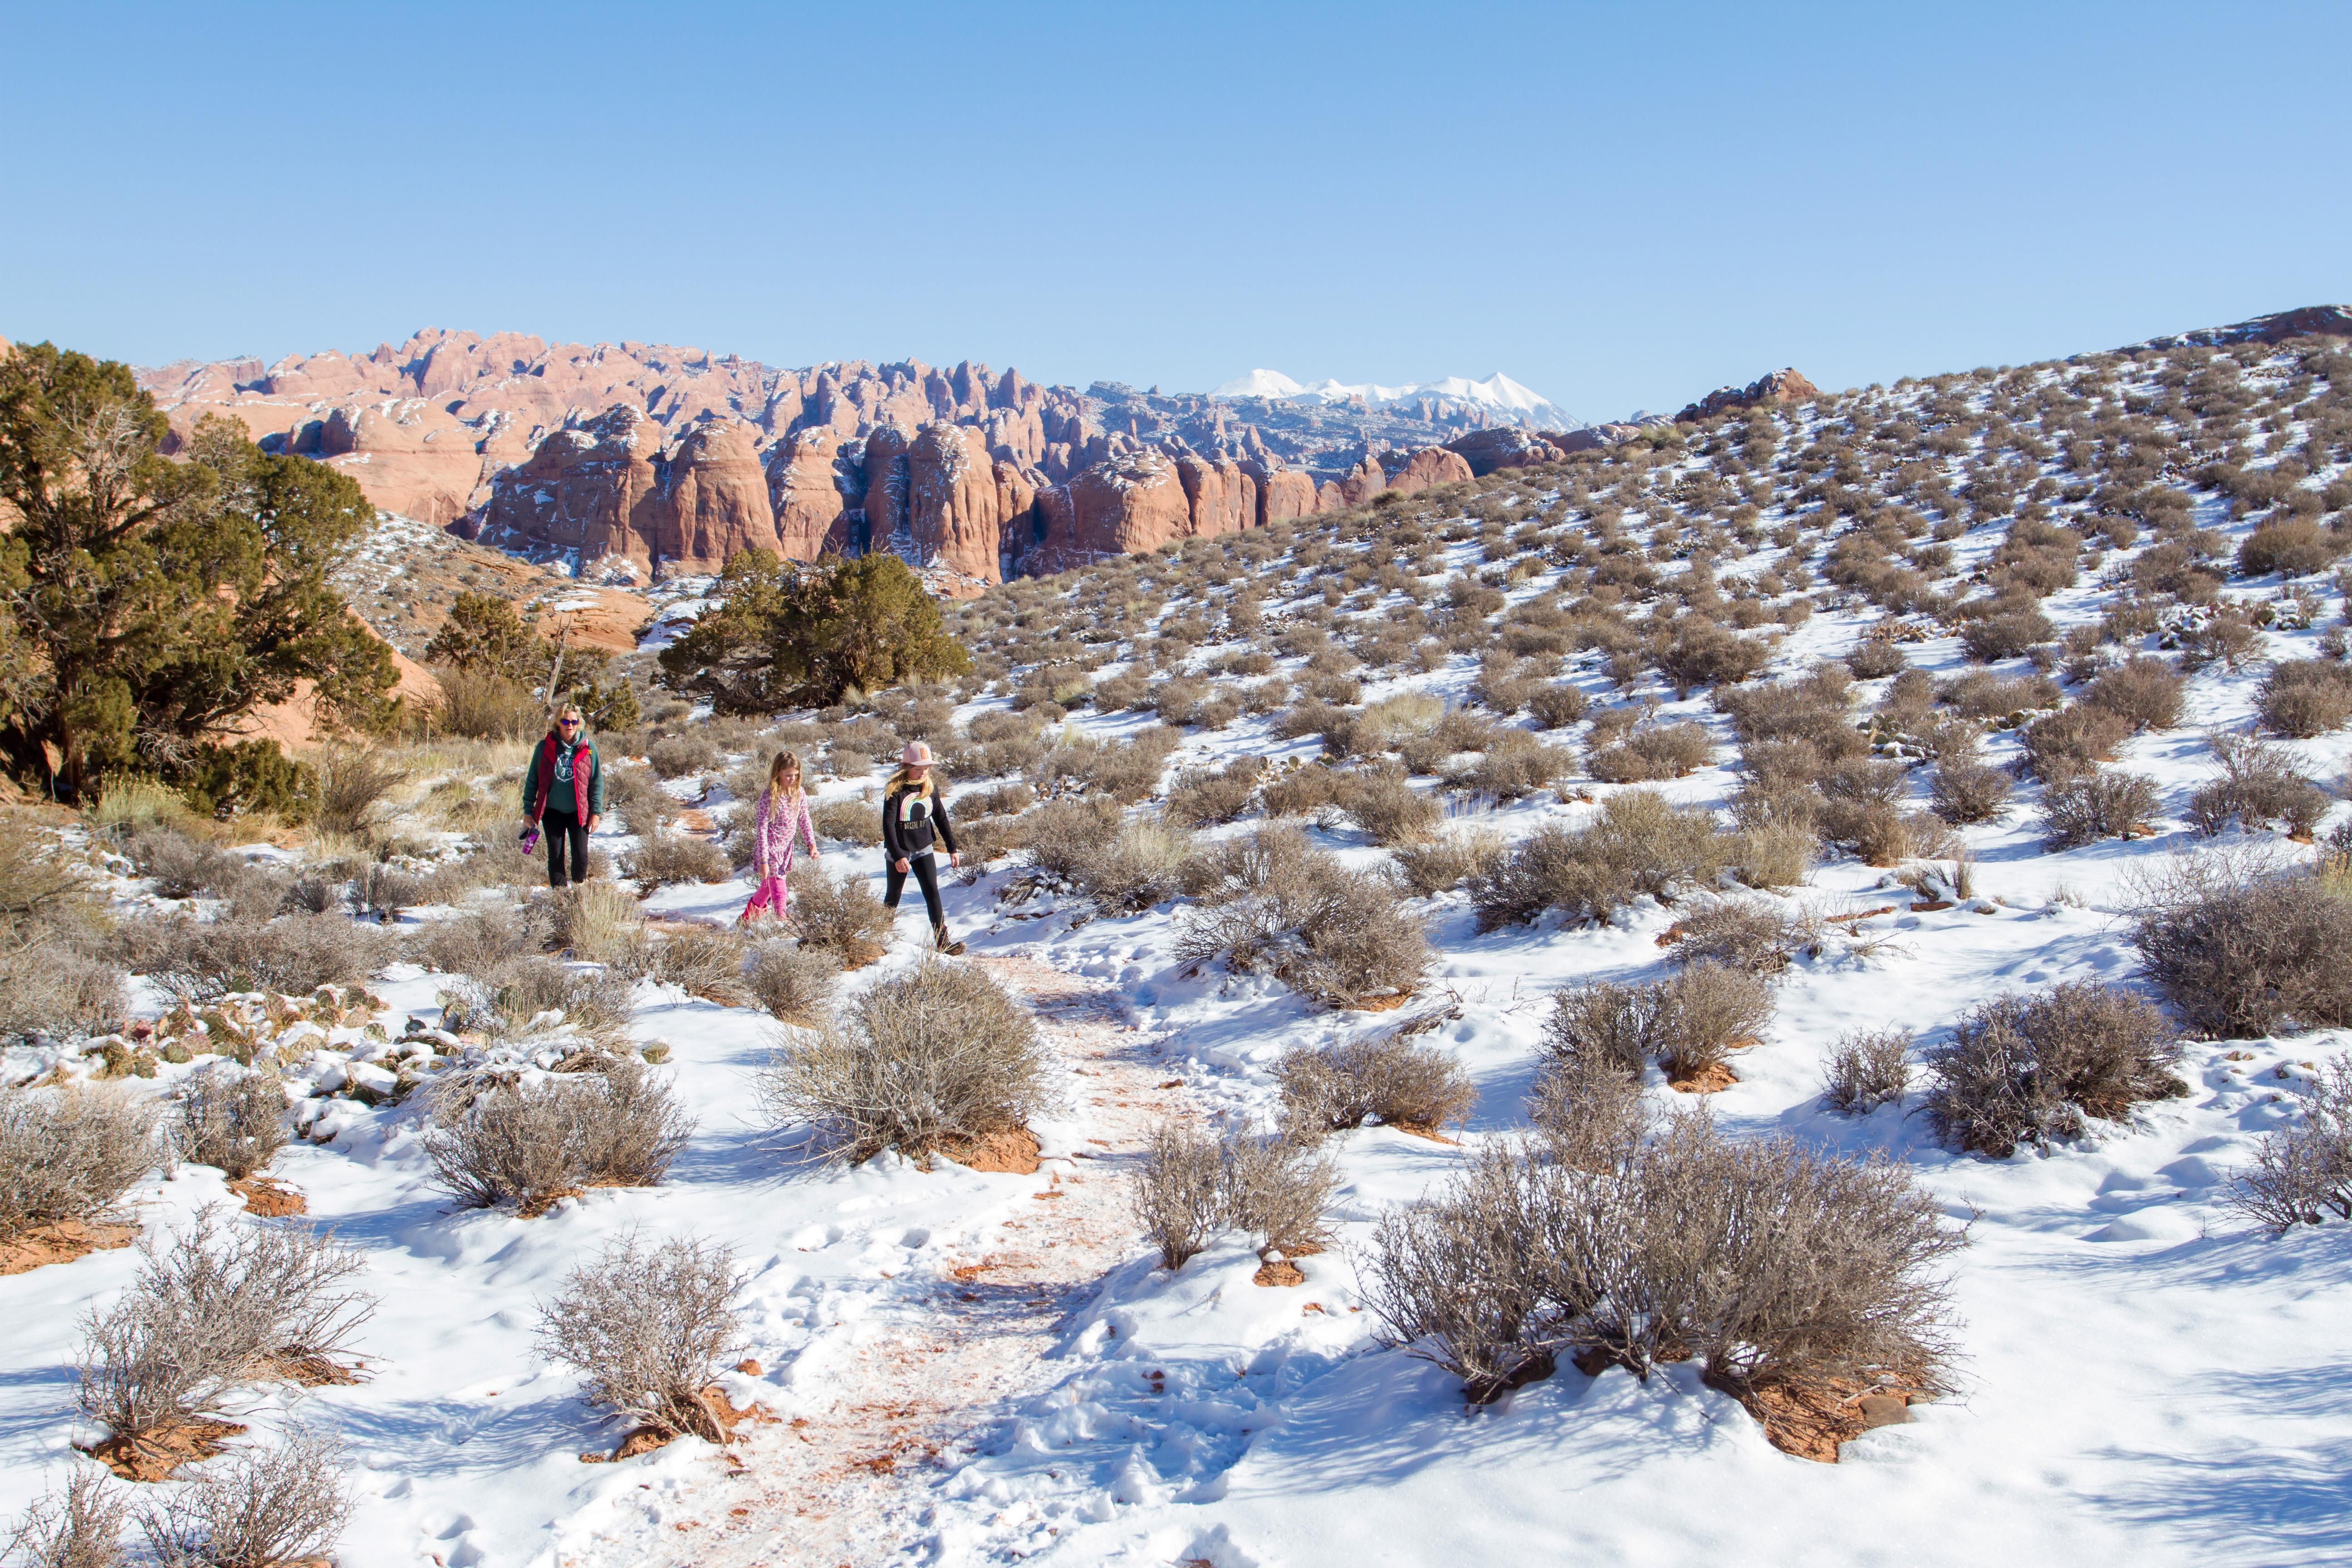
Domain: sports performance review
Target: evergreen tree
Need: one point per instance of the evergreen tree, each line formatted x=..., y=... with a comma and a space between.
x=793, y=636
x=150, y=603
x=484, y=632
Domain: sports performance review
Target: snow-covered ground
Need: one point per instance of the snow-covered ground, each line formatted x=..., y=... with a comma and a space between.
x=2145, y=1376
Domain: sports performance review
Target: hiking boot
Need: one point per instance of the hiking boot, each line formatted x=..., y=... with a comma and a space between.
x=946, y=943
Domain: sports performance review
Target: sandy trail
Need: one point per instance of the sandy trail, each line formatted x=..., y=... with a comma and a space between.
x=952, y=1358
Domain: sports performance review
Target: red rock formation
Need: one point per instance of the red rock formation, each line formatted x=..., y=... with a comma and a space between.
x=1359, y=484
x=589, y=489
x=1430, y=467
x=1283, y=493
x=953, y=504
x=409, y=458
x=805, y=489
x=1131, y=504
x=1220, y=496
x=1781, y=386
x=1509, y=447
x=713, y=502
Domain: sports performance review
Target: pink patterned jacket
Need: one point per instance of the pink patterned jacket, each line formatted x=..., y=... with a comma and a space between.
x=781, y=825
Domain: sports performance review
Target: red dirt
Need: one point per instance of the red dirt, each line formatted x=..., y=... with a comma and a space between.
x=1811, y=1419
x=270, y=1198
x=154, y=1457
x=1014, y=1152
x=1713, y=1079
x=61, y=1243
x=1281, y=1271
x=1380, y=1004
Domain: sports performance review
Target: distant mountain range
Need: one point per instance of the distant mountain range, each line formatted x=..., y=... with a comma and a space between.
x=1514, y=403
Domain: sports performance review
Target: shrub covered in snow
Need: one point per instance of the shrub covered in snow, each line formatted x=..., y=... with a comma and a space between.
x=285, y=1504
x=1272, y=903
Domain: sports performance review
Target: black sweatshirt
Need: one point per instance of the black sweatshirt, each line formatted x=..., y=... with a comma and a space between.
x=908, y=816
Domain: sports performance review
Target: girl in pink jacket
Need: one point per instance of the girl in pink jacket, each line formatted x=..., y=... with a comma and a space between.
x=780, y=823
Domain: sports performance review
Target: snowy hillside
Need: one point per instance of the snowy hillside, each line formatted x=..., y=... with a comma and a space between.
x=1869, y=713
x=1498, y=391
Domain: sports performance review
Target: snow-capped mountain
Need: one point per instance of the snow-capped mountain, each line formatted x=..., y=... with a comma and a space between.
x=1498, y=391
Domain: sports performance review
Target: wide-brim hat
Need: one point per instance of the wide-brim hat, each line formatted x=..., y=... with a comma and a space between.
x=917, y=754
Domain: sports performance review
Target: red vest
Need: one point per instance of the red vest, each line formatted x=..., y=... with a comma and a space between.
x=547, y=748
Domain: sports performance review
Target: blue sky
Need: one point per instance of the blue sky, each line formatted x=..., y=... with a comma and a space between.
x=1620, y=206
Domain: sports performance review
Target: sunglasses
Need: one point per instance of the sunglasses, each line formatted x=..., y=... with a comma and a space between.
x=569, y=723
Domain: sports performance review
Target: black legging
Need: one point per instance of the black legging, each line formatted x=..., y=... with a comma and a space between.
x=562, y=828
x=927, y=876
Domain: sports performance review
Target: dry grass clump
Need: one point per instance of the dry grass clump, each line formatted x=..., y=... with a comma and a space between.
x=1192, y=1186
x=645, y=807
x=1457, y=732
x=1449, y=860
x=235, y=1122
x=80, y=1529
x=2073, y=740
x=1203, y=798
x=1781, y=1270
x=2303, y=698
x=1867, y=1069
x=1387, y=808
x=1274, y=904
x=2103, y=802
x=1690, y=1022
x=50, y=986
x=354, y=786
x=1089, y=848
x=199, y=960
x=596, y=922
x=2259, y=785
x=2142, y=690
x=529, y=1144
x=705, y=964
x=795, y=982
x=2244, y=954
x=1390, y=723
x=1651, y=752
x=69, y=1153
x=519, y=997
x=2302, y=1171
x=847, y=821
x=1964, y=790
x=256, y=1507
x=215, y=1307
x=674, y=756
x=1775, y=854
x=1753, y=935
x=1328, y=1088
x=1638, y=844
x=480, y=940
x=2029, y=1069
x=839, y=915
x=649, y=1327
x=663, y=858
x=934, y=1056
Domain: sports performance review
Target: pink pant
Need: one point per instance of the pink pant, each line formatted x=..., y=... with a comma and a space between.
x=767, y=899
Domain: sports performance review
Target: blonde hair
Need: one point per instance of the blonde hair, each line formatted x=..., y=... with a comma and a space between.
x=569, y=709
x=931, y=780
x=777, y=766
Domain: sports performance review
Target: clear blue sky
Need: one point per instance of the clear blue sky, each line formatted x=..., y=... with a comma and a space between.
x=1620, y=205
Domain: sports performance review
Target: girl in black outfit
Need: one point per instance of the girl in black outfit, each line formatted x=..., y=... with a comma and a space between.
x=913, y=811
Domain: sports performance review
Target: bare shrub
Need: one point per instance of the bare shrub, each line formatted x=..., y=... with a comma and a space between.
x=480, y=940
x=1964, y=790
x=1275, y=905
x=1193, y=1186
x=2071, y=741
x=2142, y=690
x=1327, y=1088
x=2302, y=1171
x=1387, y=808
x=353, y=786
x=179, y=866
x=1604, y=1024
x=2005, y=636
x=705, y=964
x=2029, y=1069
x=1773, y=1265
x=2259, y=785
x=234, y=1121
x=924, y=1059
x=847, y=821
x=2303, y=698
x=663, y=858
x=1658, y=752
x=2292, y=546
x=256, y=1507
x=1705, y=1012
x=1638, y=844
x=2244, y=954
x=1516, y=764
x=1202, y=798
x=674, y=756
x=49, y=986
x=199, y=960
x=69, y=1153
x=1589, y=1112
x=1449, y=860
x=649, y=1327
x=82, y=1529
x=837, y=914
x=1865, y=1069
x=528, y=1145
x=1774, y=854
x=211, y=1309
x=794, y=983
x=1556, y=705
x=1748, y=934
x=518, y=998
x=2104, y=803
x=1311, y=792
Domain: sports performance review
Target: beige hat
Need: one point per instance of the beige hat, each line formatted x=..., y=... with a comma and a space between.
x=917, y=754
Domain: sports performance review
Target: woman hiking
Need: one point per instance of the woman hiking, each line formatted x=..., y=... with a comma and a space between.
x=780, y=823
x=563, y=794
x=912, y=811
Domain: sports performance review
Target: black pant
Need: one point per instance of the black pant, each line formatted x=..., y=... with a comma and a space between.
x=562, y=828
x=927, y=876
